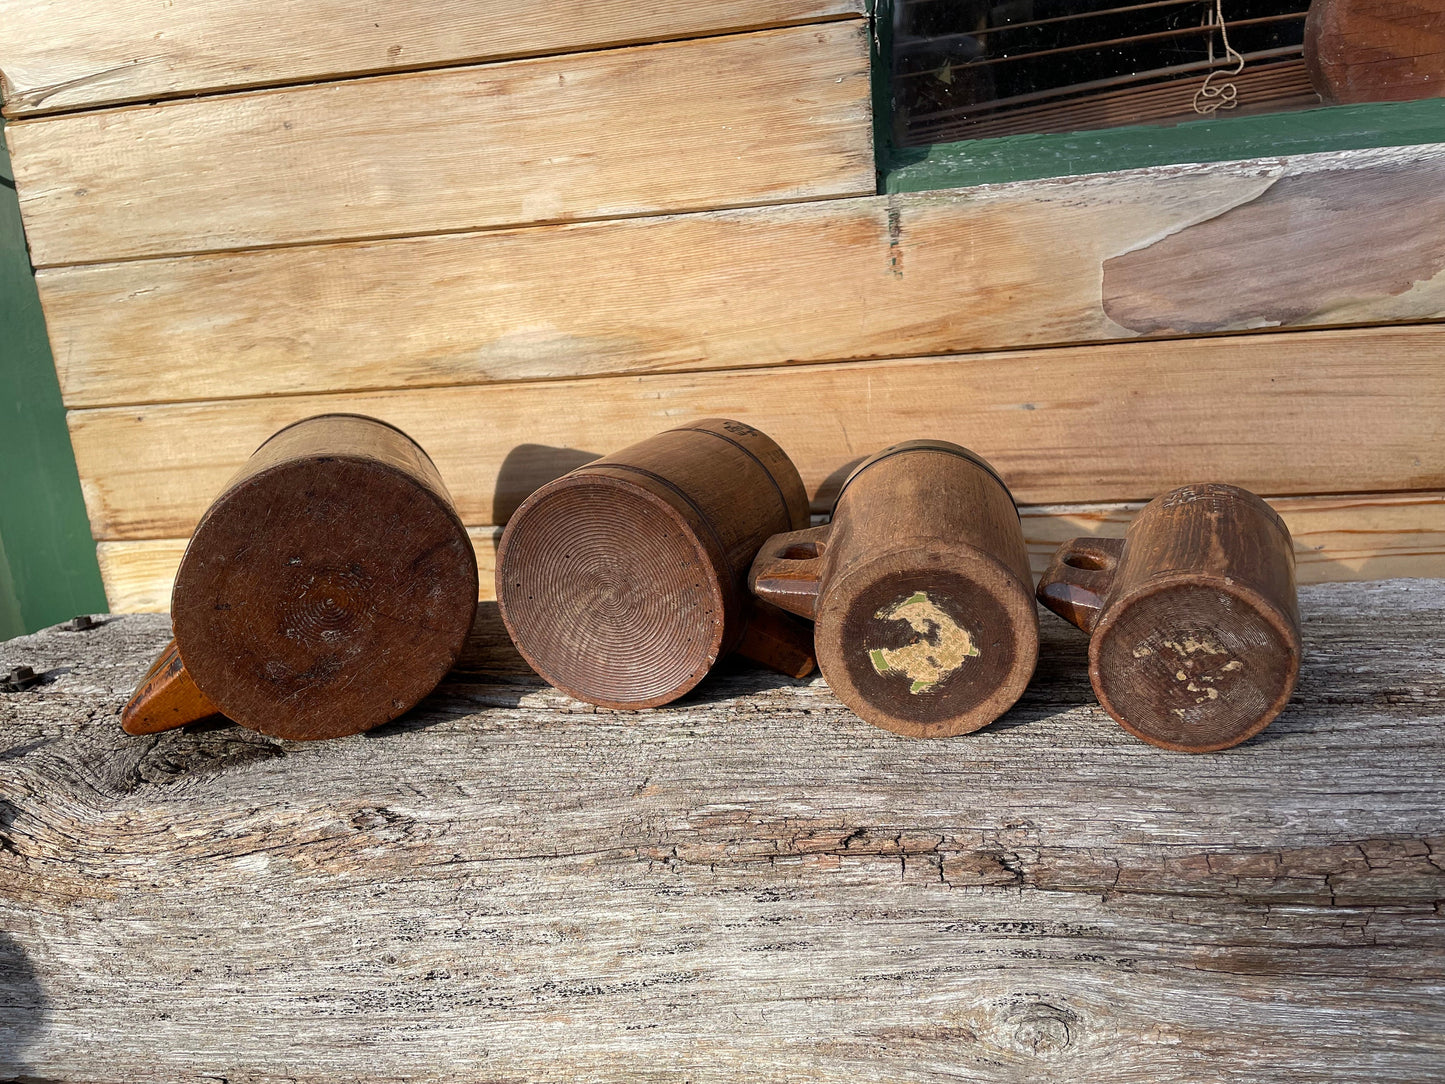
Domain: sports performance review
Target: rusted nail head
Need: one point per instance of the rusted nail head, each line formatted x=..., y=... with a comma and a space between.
x=22, y=677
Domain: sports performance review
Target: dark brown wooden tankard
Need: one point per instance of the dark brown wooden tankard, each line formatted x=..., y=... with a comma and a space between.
x=920, y=588
x=622, y=582
x=326, y=590
x=1194, y=628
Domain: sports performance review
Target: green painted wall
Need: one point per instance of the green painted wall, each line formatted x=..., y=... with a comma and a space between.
x=47, y=559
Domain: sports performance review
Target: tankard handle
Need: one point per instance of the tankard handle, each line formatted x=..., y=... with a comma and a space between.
x=787, y=569
x=166, y=697
x=777, y=640
x=1079, y=577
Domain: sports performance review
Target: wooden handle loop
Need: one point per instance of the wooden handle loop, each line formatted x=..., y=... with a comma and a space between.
x=787, y=570
x=1079, y=577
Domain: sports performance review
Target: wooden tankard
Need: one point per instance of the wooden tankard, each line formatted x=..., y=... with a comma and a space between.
x=1375, y=50
x=1194, y=628
x=622, y=583
x=920, y=588
x=326, y=590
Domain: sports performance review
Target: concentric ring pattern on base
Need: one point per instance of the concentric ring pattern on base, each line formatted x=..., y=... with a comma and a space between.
x=608, y=593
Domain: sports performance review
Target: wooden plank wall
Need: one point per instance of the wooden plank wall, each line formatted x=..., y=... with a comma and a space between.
x=85, y=53
x=530, y=246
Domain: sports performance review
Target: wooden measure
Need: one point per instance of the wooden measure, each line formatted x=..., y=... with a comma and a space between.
x=1195, y=641
x=622, y=583
x=327, y=589
x=1375, y=50
x=920, y=588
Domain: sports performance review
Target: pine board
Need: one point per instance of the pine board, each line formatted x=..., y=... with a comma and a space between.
x=748, y=885
x=1321, y=239
x=775, y=116
x=1364, y=537
x=1292, y=413
x=85, y=53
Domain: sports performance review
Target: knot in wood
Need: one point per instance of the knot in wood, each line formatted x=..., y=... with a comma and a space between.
x=1038, y=1027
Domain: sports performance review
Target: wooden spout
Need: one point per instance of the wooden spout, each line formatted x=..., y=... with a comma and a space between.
x=166, y=697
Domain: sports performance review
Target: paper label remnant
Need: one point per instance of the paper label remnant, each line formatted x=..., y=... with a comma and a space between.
x=1189, y=645
x=1191, y=673
x=926, y=661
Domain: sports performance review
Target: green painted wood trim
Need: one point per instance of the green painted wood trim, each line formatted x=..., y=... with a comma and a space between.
x=48, y=571
x=1066, y=154
x=1030, y=157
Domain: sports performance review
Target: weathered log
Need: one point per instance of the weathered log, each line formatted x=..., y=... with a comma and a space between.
x=751, y=882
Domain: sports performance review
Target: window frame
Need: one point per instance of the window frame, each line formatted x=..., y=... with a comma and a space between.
x=1031, y=156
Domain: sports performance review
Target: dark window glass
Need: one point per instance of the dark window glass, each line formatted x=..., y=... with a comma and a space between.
x=965, y=69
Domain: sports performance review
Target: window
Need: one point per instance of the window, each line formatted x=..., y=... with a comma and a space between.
x=980, y=91
x=967, y=69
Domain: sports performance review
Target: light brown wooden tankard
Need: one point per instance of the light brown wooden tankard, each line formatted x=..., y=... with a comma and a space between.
x=1194, y=626
x=623, y=582
x=920, y=588
x=327, y=589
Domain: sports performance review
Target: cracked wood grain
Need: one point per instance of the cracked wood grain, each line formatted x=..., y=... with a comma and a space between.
x=508, y=884
x=1368, y=51
x=1352, y=237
